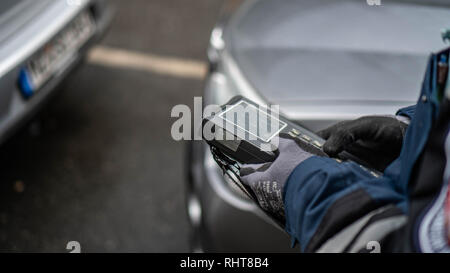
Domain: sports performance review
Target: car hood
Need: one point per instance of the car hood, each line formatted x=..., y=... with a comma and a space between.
x=335, y=54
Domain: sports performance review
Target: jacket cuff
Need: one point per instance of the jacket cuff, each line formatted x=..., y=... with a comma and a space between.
x=407, y=112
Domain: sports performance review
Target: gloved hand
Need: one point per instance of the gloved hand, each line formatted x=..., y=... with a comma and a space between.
x=267, y=180
x=375, y=139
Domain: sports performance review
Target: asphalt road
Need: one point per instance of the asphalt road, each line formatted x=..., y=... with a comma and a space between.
x=98, y=164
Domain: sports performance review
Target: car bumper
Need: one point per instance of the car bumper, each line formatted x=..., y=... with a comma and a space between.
x=15, y=53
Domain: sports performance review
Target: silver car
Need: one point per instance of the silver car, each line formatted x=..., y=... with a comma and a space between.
x=322, y=61
x=41, y=41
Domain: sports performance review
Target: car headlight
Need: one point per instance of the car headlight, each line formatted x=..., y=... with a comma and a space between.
x=225, y=78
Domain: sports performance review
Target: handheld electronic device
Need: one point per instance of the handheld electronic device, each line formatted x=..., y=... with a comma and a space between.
x=242, y=133
x=244, y=130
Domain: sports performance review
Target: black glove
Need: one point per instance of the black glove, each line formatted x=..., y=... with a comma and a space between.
x=376, y=140
x=267, y=180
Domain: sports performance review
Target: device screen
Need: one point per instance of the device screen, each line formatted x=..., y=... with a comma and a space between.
x=253, y=120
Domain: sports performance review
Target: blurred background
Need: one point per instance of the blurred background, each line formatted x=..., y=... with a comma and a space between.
x=98, y=165
x=87, y=88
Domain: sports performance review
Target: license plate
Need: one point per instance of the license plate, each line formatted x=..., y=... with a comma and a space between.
x=55, y=55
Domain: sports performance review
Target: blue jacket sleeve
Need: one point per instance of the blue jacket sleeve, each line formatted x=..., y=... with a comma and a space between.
x=322, y=196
